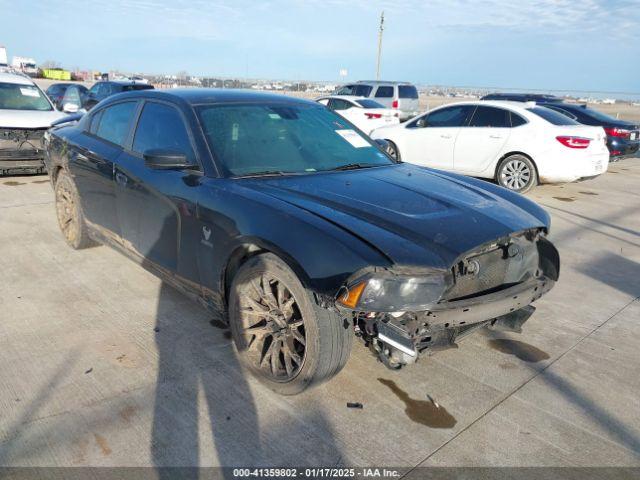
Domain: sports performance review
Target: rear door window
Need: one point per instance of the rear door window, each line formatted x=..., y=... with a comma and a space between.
x=115, y=122
x=407, y=91
x=455, y=116
x=490, y=117
x=384, y=92
x=161, y=127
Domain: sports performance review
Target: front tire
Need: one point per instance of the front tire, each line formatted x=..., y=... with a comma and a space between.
x=283, y=337
x=69, y=212
x=518, y=173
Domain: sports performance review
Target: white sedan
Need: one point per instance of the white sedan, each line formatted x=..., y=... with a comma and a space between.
x=364, y=113
x=517, y=144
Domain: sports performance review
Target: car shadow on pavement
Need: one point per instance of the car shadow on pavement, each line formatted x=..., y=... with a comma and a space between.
x=616, y=271
x=203, y=398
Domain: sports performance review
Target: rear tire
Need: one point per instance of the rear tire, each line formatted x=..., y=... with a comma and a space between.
x=517, y=173
x=69, y=212
x=283, y=337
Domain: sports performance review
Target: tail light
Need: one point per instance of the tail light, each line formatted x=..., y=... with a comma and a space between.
x=618, y=132
x=373, y=115
x=574, y=142
x=394, y=104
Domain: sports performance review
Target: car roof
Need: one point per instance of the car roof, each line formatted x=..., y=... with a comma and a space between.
x=198, y=96
x=17, y=78
x=345, y=97
x=380, y=82
x=508, y=104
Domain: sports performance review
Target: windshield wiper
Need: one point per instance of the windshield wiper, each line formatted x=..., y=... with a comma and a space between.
x=265, y=173
x=355, y=166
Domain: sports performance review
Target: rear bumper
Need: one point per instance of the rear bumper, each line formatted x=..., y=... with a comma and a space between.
x=620, y=148
x=572, y=166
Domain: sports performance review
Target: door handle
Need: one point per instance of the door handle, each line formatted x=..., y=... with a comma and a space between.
x=496, y=136
x=121, y=179
x=445, y=136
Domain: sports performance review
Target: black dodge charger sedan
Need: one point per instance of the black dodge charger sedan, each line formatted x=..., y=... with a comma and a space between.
x=297, y=228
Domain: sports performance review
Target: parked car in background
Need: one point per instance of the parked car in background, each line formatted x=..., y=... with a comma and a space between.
x=273, y=209
x=101, y=90
x=522, y=97
x=623, y=138
x=400, y=96
x=25, y=114
x=517, y=144
x=364, y=113
x=67, y=93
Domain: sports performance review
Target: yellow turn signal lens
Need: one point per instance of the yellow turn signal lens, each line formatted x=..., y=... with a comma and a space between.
x=352, y=295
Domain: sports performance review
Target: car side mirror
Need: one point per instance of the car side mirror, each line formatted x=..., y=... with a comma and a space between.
x=165, y=159
x=70, y=108
x=422, y=123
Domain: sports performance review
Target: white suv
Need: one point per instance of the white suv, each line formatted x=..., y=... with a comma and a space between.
x=25, y=114
x=400, y=96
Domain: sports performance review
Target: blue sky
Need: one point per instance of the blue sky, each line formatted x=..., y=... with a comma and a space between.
x=546, y=44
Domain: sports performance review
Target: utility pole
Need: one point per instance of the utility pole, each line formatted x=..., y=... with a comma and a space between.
x=380, y=44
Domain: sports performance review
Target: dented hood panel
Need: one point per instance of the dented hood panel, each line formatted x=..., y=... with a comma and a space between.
x=415, y=216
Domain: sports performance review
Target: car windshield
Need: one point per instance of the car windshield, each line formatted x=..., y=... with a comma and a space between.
x=15, y=96
x=369, y=104
x=260, y=139
x=552, y=116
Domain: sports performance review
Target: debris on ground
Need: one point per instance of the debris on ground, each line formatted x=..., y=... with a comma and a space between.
x=90, y=370
x=157, y=329
x=355, y=405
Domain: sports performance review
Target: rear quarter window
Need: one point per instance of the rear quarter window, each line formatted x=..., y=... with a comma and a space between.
x=552, y=116
x=384, y=92
x=407, y=91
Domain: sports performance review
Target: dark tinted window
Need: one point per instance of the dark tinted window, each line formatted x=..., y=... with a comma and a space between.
x=115, y=122
x=490, y=117
x=384, y=92
x=563, y=112
x=95, y=121
x=516, y=120
x=454, y=116
x=56, y=90
x=407, y=91
x=369, y=104
x=161, y=126
x=139, y=86
x=253, y=138
x=337, y=104
x=552, y=116
x=357, y=90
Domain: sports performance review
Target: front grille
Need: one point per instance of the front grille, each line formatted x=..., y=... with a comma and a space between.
x=500, y=266
x=479, y=273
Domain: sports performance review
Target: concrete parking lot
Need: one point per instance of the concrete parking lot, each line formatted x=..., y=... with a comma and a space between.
x=102, y=364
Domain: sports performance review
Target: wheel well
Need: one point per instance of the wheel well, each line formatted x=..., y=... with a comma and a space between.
x=495, y=173
x=238, y=258
x=54, y=174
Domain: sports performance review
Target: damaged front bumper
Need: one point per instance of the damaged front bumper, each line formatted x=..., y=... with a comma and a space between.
x=21, y=151
x=493, y=287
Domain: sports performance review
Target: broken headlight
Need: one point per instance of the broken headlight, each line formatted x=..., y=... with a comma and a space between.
x=392, y=293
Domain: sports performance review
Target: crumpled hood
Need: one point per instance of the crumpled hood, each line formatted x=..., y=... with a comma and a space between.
x=28, y=118
x=413, y=215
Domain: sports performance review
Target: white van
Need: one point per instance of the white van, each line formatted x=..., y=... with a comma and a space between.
x=401, y=96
